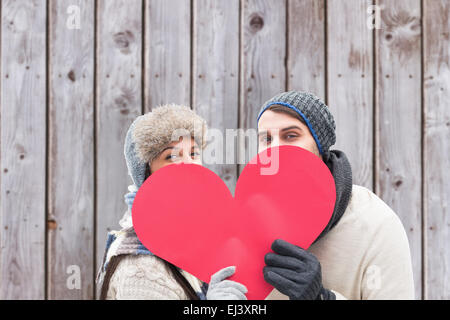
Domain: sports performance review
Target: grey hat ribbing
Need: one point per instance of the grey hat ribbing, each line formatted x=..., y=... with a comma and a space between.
x=136, y=168
x=314, y=111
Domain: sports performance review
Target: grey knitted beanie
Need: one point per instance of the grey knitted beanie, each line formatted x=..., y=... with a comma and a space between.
x=316, y=114
x=153, y=131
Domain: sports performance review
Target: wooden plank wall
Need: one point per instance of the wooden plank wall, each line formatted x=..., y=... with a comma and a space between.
x=350, y=84
x=436, y=147
x=398, y=96
x=23, y=150
x=69, y=92
x=215, y=75
x=119, y=100
x=71, y=150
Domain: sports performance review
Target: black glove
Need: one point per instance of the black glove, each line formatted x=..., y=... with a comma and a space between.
x=295, y=272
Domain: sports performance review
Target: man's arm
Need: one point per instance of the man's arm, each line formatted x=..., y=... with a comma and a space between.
x=388, y=269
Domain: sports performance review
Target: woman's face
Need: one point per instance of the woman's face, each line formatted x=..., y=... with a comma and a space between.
x=184, y=150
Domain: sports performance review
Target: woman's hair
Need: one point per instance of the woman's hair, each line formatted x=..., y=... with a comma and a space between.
x=181, y=280
x=283, y=109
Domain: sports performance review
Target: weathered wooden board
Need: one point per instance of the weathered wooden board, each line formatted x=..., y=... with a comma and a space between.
x=306, y=46
x=71, y=150
x=263, y=68
x=22, y=149
x=119, y=102
x=350, y=84
x=398, y=96
x=436, y=148
x=167, y=53
x=216, y=80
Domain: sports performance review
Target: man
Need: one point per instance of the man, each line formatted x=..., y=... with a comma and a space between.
x=363, y=252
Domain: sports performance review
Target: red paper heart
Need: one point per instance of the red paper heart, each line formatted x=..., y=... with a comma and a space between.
x=185, y=214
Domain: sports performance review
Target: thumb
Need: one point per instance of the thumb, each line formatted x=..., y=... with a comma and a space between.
x=222, y=275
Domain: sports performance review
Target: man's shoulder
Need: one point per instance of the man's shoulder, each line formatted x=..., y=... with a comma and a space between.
x=367, y=210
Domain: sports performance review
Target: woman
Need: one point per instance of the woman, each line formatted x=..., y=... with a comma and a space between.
x=169, y=134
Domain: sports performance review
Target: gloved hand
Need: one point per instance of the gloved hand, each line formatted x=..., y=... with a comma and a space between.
x=295, y=272
x=221, y=289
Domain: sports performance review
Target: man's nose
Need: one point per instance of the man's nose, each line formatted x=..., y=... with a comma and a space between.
x=275, y=141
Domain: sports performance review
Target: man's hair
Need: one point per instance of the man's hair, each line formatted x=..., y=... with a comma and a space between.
x=283, y=109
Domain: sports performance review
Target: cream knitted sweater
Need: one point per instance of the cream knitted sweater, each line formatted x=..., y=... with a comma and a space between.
x=144, y=277
x=365, y=256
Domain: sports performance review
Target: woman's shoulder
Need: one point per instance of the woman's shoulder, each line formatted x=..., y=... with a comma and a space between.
x=149, y=265
x=144, y=277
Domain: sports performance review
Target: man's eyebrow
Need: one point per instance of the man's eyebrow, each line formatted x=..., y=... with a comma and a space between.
x=291, y=127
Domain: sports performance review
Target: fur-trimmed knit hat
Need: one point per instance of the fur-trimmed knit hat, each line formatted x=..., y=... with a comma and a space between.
x=153, y=131
x=314, y=111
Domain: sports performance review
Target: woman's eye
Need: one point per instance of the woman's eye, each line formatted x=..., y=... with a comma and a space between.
x=291, y=136
x=171, y=157
x=195, y=154
x=266, y=139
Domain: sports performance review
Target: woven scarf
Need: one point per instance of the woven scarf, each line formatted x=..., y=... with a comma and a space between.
x=341, y=170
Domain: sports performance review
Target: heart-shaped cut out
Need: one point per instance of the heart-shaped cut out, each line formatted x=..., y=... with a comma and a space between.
x=185, y=214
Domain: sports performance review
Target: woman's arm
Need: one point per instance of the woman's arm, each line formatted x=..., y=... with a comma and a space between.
x=144, y=277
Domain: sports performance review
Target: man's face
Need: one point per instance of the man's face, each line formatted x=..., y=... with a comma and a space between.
x=279, y=129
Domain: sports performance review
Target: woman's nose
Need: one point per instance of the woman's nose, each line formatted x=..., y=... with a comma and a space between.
x=187, y=159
